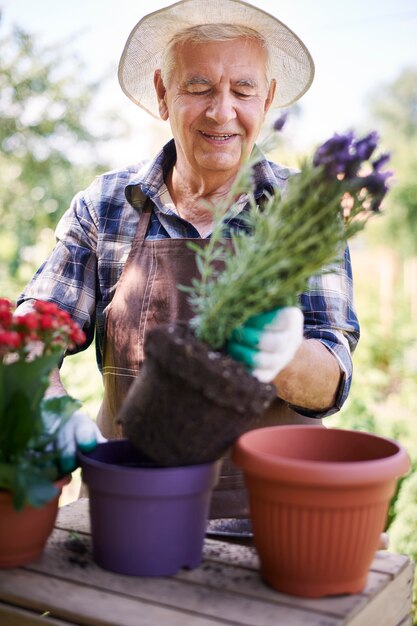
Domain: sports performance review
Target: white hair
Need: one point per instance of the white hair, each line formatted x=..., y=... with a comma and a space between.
x=209, y=32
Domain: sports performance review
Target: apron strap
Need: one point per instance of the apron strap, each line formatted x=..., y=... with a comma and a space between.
x=140, y=234
x=144, y=220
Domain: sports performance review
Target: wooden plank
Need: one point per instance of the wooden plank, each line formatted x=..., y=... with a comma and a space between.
x=74, y=516
x=235, y=568
x=384, y=561
x=239, y=580
x=225, y=552
x=15, y=616
x=86, y=606
x=216, y=575
x=94, y=606
x=408, y=621
x=391, y=607
x=389, y=562
x=221, y=552
x=183, y=592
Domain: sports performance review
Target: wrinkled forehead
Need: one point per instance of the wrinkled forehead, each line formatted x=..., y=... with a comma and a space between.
x=239, y=59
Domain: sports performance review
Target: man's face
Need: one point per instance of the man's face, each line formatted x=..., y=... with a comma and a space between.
x=216, y=102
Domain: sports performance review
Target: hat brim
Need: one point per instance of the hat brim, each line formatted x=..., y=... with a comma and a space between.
x=291, y=63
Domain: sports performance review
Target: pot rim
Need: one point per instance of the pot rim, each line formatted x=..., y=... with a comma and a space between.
x=87, y=459
x=279, y=468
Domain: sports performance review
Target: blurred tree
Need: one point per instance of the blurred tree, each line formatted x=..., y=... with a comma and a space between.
x=394, y=107
x=47, y=150
x=389, y=365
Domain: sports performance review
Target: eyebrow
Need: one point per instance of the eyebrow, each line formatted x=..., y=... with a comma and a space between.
x=246, y=82
x=197, y=80
x=201, y=80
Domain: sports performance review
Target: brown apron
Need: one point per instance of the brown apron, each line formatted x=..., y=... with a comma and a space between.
x=146, y=295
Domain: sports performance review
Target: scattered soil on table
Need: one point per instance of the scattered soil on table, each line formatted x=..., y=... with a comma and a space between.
x=78, y=551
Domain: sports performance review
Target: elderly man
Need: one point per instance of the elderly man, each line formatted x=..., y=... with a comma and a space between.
x=213, y=70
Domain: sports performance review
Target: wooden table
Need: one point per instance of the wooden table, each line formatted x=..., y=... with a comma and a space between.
x=65, y=587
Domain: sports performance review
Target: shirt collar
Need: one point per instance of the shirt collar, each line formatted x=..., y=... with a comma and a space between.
x=150, y=180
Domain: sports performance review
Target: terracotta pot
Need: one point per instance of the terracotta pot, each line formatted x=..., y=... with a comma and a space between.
x=318, y=502
x=146, y=520
x=23, y=534
x=189, y=404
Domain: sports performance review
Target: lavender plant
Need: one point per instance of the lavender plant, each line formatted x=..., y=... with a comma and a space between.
x=287, y=240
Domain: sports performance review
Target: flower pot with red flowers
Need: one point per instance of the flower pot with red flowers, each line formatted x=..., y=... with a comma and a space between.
x=31, y=481
x=318, y=503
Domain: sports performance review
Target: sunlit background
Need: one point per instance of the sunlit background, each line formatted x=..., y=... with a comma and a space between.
x=357, y=47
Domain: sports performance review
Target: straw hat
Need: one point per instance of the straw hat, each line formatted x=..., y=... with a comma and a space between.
x=290, y=61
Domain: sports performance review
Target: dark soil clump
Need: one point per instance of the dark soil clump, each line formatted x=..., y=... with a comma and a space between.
x=78, y=551
x=189, y=403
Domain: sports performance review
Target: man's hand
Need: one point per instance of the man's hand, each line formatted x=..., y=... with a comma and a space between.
x=81, y=432
x=266, y=343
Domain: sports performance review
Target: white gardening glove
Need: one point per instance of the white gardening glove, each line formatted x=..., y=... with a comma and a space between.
x=266, y=343
x=78, y=432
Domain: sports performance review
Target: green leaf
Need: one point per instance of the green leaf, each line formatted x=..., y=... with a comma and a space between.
x=23, y=385
x=56, y=410
x=7, y=476
x=28, y=461
x=40, y=489
x=18, y=489
x=32, y=487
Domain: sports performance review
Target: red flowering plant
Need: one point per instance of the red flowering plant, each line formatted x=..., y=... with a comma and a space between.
x=31, y=346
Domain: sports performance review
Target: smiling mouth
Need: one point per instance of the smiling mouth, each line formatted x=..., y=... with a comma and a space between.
x=222, y=137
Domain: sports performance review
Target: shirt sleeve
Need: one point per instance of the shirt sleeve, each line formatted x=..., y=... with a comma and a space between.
x=330, y=317
x=68, y=276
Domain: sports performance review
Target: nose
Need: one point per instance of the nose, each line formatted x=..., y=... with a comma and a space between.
x=221, y=108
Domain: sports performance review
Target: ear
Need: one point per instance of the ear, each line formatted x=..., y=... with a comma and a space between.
x=271, y=93
x=160, y=94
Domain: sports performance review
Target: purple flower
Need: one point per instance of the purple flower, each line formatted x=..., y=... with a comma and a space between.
x=280, y=122
x=334, y=148
x=376, y=185
x=379, y=163
x=364, y=147
x=334, y=154
x=344, y=154
x=342, y=157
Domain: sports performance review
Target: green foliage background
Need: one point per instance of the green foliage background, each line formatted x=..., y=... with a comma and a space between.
x=383, y=398
x=48, y=153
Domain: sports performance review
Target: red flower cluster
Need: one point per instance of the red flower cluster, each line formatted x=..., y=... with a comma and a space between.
x=47, y=329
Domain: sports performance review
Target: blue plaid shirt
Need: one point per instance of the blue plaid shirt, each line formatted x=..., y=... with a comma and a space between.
x=94, y=238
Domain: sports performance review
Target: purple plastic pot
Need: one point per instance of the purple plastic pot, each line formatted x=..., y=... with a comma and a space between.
x=146, y=520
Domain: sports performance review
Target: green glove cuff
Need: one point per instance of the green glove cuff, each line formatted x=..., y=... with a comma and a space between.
x=242, y=353
x=261, y=320
x=247, y=335
x=67, y=464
